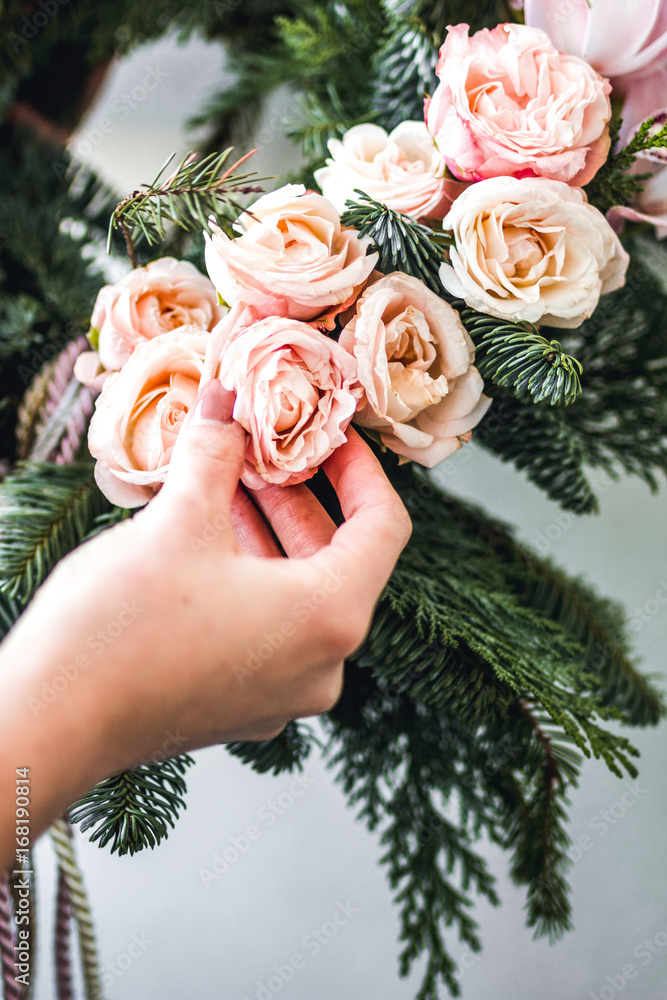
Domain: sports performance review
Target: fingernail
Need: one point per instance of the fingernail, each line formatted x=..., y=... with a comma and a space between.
x=214, y=404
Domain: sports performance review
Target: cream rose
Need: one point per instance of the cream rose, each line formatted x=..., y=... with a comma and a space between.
x=402, y=170
x=147, y=302
x=296, y=393
x=510, y=104
x=414, y=358
x=292, y=259
x=531, y=250
x=139, y=414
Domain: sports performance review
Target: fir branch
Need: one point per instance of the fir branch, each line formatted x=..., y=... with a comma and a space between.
x=45, y=512
x=490, y=646
x=402, y=243
x=322, y=119
x=540, y=442
x=135, y=809
x=186, y=198
x=286, y=752
x=404, y=72
x=517, y=356
x=621, y=419
x=613, y=184
x=595, y=623
x=540, y=840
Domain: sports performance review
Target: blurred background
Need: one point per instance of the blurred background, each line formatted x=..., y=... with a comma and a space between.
x=172, y=924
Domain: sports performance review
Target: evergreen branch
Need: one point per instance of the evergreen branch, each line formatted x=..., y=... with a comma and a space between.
x=540, y=442
x=187, y=198
x=404, y=72
x=402, y=243
x=323, y=119
x=517, y=356
x=135, y=809
x=612, y=184
x=45, y=512
x=285, y=752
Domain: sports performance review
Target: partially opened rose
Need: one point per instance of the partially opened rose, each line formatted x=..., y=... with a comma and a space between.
x=509, y=103
x=293, y=259
x=147, y=302
x=402, y=169
x=414, y=357
x=139, y=414
x=622, y=40
x=531, y=250
x=296, y=392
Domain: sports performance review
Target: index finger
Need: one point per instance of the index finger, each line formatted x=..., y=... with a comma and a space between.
x=377, y=525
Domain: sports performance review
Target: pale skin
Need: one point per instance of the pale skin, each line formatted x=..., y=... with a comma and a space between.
x=162, y=620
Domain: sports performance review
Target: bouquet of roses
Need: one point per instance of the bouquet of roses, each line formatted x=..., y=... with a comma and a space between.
x=416, y=297
x=298, y=318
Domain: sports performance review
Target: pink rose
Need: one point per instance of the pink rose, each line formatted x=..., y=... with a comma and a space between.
x=414, y=357
x=296, y=393
x=147, y=302
x=510, y=104
x=621, y=39
x=140, y=412
x=293, y=259
x=402, y=170
x=531, y=250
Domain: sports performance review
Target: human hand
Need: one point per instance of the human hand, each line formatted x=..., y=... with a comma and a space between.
x=227, y=640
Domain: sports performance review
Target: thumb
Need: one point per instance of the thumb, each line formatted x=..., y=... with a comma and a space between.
x=208, y=456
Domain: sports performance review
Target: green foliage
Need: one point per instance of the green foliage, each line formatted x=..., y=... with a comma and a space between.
x=186, y=198
x=402, y=243
x=285, y=752
x=460, y=717
x=45, y=512
x=612, y=184
x=320, y=120
x=517, y=356
x=135, y=809
x=539, y=441
x=404, y=73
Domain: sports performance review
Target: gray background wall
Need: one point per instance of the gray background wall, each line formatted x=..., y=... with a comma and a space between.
x=223, y=940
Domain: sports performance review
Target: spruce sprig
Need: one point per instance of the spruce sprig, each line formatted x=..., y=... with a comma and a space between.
x=186, y=198
x=45, y=511
x=134, y=809
x=517, y=356
x=402, y=243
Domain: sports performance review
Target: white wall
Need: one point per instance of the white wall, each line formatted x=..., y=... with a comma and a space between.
x=222, y=941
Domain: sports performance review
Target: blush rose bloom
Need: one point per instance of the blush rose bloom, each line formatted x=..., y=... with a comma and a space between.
x=623, y=40
x=293, y=258
x=531, y=250
x=402, y=170
x=510, y=104
x=421, y=392
x=139, y=414
x=147, y=302
x=296, y=393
